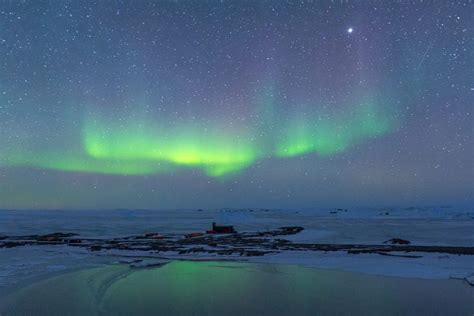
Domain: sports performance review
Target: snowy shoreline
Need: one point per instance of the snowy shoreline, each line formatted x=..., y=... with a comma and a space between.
x=423, y=226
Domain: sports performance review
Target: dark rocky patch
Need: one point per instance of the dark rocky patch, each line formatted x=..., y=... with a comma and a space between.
x=397, y=255
x=235, y=244
x=397, y=241
x=58, y=237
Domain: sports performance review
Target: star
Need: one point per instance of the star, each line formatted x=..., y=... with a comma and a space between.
x=349, y=30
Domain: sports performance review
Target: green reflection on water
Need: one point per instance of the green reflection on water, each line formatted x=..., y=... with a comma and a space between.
x=224, y=288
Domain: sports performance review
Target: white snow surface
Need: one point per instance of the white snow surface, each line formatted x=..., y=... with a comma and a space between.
x=422, y=226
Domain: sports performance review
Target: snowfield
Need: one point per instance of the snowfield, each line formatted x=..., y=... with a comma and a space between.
x=446, y=226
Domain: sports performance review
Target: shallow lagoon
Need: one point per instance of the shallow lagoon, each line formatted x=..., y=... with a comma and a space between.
x=231, y=288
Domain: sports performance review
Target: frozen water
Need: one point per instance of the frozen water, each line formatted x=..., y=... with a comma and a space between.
x=422, y=226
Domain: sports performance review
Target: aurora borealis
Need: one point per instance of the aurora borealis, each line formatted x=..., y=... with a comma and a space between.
x=131, y=146
x=182, y=104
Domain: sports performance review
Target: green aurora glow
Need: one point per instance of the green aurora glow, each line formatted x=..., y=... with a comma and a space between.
x=327, y=137
x=138, y=145
x=216, y=152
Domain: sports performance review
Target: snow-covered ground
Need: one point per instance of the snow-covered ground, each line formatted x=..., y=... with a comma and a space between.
x=422, y=226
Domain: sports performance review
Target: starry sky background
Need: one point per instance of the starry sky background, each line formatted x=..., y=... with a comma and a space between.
x=197, y=104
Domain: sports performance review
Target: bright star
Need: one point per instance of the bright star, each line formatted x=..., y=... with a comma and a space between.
x=349, y=30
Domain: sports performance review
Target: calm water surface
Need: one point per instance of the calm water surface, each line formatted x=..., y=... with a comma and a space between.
x=229, y=288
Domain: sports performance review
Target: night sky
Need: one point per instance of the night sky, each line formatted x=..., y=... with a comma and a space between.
x=198, y=104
